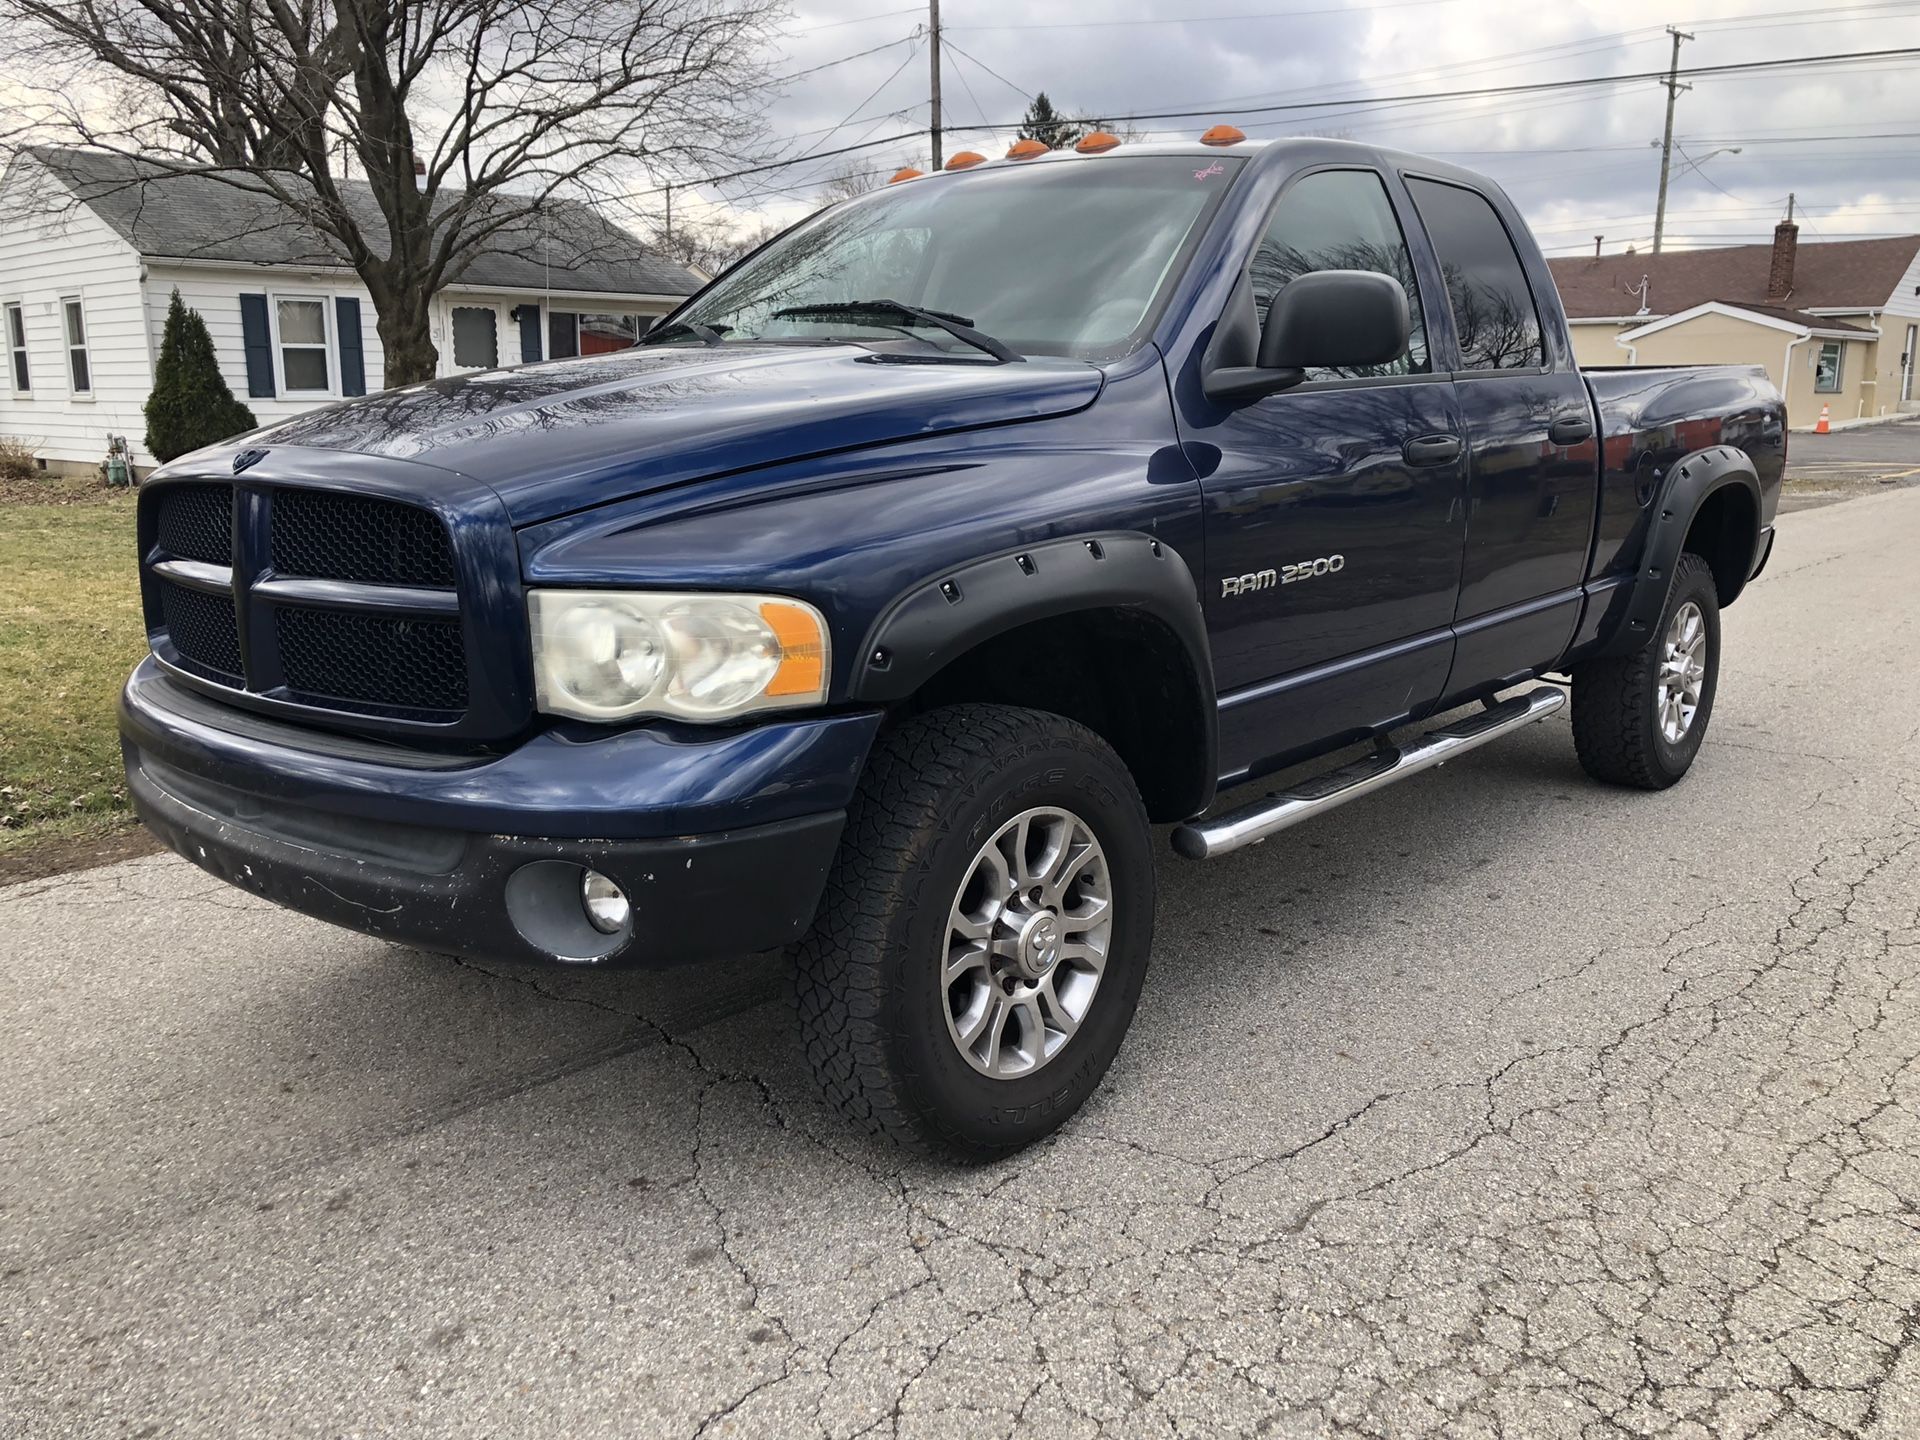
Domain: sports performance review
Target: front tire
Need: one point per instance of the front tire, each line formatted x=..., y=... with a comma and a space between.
x=985, y=931
x=1638, y=719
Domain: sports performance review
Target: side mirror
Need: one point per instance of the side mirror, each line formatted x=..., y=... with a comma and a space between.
x=1330, y=319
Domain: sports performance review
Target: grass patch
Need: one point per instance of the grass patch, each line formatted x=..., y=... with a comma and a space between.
x=70, y=630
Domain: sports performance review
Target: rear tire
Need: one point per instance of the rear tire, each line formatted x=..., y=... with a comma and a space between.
x=996, y=870
x=1638, y=719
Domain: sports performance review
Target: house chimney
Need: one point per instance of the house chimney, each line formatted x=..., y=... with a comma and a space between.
x=419, y=173
x=1786, y=243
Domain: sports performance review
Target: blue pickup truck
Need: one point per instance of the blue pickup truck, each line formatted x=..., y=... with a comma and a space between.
x=881, y=601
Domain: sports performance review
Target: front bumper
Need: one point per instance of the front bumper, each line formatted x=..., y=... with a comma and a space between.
x=482, y=855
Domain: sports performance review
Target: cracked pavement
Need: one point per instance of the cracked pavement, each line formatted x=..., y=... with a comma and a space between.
x=1499, y=1104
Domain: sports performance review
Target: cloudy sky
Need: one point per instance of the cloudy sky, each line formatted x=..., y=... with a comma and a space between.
x=1844, y=138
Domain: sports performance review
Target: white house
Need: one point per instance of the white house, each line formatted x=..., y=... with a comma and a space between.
x=92, y=246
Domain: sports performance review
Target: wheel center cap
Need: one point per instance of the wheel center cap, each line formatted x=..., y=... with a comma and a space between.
x=1039, y=945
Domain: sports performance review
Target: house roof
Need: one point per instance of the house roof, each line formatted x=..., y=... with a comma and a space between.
x=1803, y=318
x=195, y=215
x=1827, y=275
x=1772, y=316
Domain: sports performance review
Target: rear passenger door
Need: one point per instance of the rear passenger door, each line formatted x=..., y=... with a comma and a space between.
x=1532, y=457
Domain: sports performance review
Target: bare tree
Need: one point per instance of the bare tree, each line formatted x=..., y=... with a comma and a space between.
x=853, y=178
x=709, y=243
x=467, y=118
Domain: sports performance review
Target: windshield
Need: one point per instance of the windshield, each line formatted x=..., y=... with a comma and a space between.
x=1065, y=258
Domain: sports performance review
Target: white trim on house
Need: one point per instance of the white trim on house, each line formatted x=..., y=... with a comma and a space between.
x=1737, y=312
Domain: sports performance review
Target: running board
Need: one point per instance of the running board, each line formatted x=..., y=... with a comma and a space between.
x=1208, y=838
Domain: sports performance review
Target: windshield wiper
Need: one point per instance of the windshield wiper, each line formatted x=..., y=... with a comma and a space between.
x=958, y=326
x=706, y=334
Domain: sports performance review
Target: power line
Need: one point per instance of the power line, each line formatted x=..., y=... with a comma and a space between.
x=857, y=55
x=1023, y=93
x=1350, y=106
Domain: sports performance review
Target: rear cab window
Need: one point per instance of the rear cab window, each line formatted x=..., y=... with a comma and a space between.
x=1494, y=313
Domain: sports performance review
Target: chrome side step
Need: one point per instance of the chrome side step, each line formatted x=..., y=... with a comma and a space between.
x=1205, y=839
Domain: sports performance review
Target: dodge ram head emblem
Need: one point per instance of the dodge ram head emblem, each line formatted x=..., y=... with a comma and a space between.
x=247, y=459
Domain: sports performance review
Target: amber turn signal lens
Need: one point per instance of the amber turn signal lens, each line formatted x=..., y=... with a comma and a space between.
x=1223, y=135
x=907, y=174
x=803, y=649
x=964, y=159
x=1096, y=142
x=1026, y=149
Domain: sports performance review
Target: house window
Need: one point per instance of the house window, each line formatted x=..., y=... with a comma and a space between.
x=79, y=368
x=1826, y=368
x=303, y=340
x=476, y=337
x=17, y=347
x=604, y=334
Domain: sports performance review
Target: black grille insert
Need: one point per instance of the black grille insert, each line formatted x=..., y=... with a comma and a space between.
x=324, y=536
x=384, y=660
x=202, y=629
x=195, y=522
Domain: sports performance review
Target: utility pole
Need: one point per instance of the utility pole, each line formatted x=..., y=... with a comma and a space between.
x=1674, y=87
x=933, y=49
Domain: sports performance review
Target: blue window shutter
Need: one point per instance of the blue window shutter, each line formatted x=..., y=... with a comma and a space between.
x=259, y=346
x=529, y=318
x=561, y=331
x=353, y=357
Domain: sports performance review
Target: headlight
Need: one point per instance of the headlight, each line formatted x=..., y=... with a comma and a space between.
x=611, y=655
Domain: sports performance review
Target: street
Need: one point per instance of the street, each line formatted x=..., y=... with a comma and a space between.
x=1859, y=460
x=1497, y=1104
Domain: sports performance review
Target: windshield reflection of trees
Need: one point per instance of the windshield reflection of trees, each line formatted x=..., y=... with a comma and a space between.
x=1065, y=260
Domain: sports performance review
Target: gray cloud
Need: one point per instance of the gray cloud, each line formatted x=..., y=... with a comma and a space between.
x=1579, y=163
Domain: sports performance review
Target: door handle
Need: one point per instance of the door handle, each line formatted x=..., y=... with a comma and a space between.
x=1570, y=430
x=1433, y=449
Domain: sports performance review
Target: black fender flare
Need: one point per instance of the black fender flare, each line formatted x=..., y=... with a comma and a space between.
x=1688, y=484
x=947, y=614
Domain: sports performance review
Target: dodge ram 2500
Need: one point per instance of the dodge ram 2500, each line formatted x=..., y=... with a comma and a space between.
x=881, y=600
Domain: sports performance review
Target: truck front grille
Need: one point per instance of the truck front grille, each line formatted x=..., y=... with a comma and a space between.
x=377, y=660
x=202, y=630
x=195, y=522
x=310, y=599
x=331, y=536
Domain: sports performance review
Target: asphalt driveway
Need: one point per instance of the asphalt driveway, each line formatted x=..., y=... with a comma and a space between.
x=1498, y=1104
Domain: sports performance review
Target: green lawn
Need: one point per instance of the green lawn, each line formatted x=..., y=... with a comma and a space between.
x=70, y=630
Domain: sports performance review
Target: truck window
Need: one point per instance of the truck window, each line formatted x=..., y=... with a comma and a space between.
x=1339, y=220
x=1062, y=257
x=1492, y=305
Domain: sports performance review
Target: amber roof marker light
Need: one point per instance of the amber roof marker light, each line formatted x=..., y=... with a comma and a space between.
x=966, y=159
x=1026, y=149
x=1223, y=135
x=1096, y=143
x=907, y=174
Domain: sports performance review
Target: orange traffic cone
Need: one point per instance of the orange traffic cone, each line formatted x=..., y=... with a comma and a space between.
x=1823, y=428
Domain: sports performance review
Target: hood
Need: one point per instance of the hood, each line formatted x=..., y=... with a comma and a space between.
x=559, y=437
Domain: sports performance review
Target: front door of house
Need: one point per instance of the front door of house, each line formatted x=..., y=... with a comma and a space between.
x=480, y=336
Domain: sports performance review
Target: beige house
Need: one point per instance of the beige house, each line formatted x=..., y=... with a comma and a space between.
x=1835, y=323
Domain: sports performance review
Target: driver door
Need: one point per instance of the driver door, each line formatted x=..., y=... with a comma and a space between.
x=1335, y=517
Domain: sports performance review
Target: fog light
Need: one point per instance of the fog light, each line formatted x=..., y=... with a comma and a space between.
x=605, y=903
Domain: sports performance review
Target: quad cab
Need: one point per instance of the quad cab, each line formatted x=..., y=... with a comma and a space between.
x=879, y=603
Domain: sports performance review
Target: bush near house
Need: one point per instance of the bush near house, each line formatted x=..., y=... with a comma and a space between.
x=191, y=405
